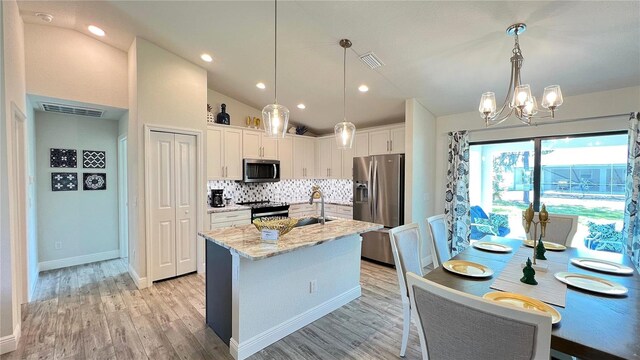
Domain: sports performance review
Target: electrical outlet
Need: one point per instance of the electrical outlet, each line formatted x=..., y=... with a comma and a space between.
x=57, y=245
x=313, y=286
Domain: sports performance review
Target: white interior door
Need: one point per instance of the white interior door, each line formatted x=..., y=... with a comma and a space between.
x=186, y=207
x=163, y=209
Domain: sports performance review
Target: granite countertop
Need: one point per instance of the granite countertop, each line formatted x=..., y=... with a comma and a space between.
x=245, y=240
x=227, y=208
x=326, y=201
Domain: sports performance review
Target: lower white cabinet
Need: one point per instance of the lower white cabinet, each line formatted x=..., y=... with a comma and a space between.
x=338, y=211
x=303, y=210
x=229, y=218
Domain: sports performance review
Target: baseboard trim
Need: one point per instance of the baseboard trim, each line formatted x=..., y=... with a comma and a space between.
x=141, y=282
x=9, y=343
x=427, y=260
x=268, y=337
x=78, y=260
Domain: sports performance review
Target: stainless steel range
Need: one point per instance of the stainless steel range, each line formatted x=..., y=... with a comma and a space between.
x=260, y=209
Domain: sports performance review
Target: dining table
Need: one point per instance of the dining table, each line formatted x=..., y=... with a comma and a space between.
x=593, y=326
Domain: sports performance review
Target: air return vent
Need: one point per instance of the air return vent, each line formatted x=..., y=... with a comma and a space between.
x=371, y=60
x=71, y=110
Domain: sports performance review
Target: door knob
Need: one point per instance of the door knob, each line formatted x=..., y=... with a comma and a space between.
x=186, y=211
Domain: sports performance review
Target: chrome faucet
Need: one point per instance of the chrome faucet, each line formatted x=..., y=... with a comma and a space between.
x=316, y=191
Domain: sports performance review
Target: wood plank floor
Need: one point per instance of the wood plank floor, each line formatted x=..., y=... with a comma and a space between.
x=95, y=311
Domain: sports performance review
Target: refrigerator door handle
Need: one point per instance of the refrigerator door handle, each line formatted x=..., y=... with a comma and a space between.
x=375, y=191
x=369, y=190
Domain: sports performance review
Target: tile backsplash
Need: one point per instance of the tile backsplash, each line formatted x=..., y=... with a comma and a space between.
x=284, y=190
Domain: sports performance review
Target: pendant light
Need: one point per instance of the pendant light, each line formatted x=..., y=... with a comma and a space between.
x=275, y=117
x=345, y=131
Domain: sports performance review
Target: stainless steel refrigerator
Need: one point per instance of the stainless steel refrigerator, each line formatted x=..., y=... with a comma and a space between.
x=378, y=196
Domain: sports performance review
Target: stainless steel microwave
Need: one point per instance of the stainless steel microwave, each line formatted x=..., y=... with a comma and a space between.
x=260, y=171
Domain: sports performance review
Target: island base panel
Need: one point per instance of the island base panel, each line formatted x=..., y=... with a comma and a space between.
x=218, y=290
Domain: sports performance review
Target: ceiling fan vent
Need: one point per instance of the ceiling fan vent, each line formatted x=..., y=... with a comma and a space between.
x=71, y=110
x=371, y=60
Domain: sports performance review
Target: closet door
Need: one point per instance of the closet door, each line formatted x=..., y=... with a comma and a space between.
x=185, y=200
x=163, y=209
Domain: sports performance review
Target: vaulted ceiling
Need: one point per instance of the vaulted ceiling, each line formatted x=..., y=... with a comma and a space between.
x=445, y=54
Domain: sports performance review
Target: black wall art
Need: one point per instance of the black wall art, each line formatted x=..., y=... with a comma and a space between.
x=63, y=181
x=63, y=158
x=94, y=181
x=92, y=159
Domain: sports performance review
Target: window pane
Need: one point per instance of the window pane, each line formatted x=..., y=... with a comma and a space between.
x=500, y=187
x=585, y=176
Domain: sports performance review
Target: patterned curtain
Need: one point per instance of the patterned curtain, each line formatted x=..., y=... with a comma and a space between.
x=457, y=205
x=631, y=230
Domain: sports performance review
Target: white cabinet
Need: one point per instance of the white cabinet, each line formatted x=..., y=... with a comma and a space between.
x=255, y=145
x=328, y=159
x=285, y=155
x=338, y=211
x=386, y=141
x=347, y=163
x=361, y=144
x=396, y=145
x=229, y=219
x=303, y=158
x=303, y=210
x=224, y=154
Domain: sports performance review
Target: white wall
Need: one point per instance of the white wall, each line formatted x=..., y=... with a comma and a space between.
x=237, y=110
x=13, y=93
x=420, y=134
x=601, y=104
x=164, y=89
x=32, y=200
x=66, y=64
x=85, y=222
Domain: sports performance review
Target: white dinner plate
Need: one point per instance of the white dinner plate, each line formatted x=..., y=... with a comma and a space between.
x=602, y=265
x=467, y=268
x=591, y=283
x=492, y=246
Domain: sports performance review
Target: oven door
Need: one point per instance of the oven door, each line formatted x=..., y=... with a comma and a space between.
x=260, y=171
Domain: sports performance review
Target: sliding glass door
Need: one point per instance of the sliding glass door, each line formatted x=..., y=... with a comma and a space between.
x=579, y=175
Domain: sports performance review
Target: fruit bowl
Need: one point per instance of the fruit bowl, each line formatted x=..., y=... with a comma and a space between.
x=283, y=225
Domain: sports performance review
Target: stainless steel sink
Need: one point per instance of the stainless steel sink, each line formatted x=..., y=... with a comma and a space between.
x=310, y=221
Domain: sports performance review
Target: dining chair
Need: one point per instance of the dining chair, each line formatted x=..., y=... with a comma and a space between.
x=560, y=229
x=439, y=248
x=455, y=325
x=406, y=246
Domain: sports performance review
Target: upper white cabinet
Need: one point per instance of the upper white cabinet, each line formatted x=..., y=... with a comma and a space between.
x=328, y=159
x=224, y=154
x=285, y=155
x=303, y=157
x=386, y=141
x=361, y=144
x=255, y=145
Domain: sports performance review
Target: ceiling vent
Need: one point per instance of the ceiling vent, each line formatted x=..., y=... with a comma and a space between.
x=71, y=110
x=371, y=60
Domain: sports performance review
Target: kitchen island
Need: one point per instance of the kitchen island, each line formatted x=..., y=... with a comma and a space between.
x=258, y=292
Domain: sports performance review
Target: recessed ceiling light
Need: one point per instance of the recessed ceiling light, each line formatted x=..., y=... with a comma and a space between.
x=301, y=106
x=363, y=88
x=45, y=17
x=206, y=57
x=261, y=86
x=96, y=30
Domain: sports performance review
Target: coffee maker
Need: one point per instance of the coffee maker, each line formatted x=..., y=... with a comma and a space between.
x=217, y=198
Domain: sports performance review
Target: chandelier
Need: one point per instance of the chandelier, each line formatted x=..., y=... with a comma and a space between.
x=519, y=100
